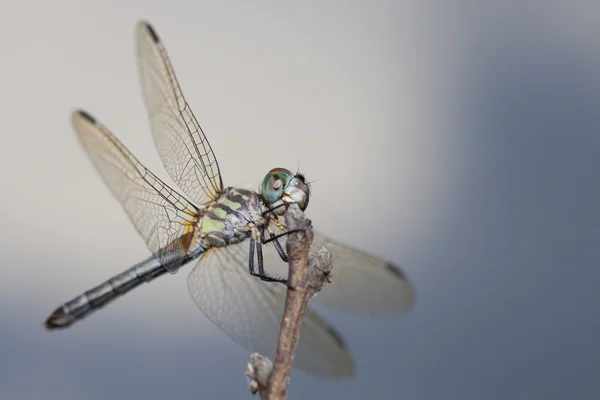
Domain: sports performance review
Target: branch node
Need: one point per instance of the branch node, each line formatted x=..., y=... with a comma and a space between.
x=258, y=371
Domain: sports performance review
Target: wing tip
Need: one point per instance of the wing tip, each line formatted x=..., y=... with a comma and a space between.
x=396, y=272
x=407, y=301
x=150, y=30
x=84, y=115
x=337, y=336
x=79, y=117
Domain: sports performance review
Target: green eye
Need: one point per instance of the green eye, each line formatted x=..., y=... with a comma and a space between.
x=274, y=183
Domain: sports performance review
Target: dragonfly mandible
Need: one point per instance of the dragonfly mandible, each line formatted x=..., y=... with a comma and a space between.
x=233, y=233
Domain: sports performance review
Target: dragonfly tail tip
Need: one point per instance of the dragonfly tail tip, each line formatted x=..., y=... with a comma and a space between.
x=58, y=319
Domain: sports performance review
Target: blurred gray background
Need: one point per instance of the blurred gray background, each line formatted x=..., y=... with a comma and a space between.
x=459, y=141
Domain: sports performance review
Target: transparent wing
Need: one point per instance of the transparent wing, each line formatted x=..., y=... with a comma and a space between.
x=361, y=283
x=165, y=220
x=182, y=146
x=249, y=311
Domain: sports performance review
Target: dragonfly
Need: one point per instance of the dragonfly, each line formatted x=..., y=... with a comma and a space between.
x=232, y=234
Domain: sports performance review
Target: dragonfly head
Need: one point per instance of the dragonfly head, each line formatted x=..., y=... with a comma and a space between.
x=281, y=186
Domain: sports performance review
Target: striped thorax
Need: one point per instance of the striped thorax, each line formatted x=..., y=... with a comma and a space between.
x=232, y=218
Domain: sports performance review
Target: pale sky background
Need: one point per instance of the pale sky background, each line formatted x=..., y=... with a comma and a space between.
x=460, y=142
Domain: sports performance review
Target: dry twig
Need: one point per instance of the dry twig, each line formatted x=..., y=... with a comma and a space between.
x=306, y=277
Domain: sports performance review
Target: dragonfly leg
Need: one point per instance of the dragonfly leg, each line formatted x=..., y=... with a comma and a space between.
x=276, y=242
x=259, y=253
x=280, y=250
x=275, y=237
x=262, y=274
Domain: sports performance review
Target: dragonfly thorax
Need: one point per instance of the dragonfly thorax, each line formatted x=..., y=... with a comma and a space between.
x=232, y=218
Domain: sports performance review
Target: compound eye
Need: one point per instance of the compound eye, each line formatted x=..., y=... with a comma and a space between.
x=274, y=184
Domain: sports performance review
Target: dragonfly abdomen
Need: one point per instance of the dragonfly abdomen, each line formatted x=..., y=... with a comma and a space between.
x=95, y=298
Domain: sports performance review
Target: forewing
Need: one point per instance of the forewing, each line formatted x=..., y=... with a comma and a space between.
x=165, y=220
x=182, y=145
x=249, y=311
x=360, y=282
